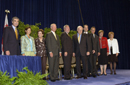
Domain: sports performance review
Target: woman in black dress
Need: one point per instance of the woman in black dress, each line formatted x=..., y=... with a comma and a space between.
x=113, y=51
x=41, y=49
x=104, y=52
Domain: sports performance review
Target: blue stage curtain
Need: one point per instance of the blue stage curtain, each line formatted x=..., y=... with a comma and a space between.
x=11, y=63
x=108, y=15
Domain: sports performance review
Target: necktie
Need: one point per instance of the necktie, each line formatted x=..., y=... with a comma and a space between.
x=79, y=38
x=16, y=33
x=55, y=35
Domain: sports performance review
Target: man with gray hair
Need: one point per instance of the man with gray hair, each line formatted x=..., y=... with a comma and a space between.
x=67, y=50
x=11, y=38
x=54, y=51
x=81, y=51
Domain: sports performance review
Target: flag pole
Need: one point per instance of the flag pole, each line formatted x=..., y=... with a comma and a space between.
x=7, y=12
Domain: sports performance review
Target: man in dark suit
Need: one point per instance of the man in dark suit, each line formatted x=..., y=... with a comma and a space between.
x=81, y=51
x=67, y=51
x=54, y=51
x=90, y=40
x=96, y=49
x=11, y=39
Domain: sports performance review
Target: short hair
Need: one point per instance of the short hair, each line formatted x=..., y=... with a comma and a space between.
x=85, y=25
x=65, y=26
x=93, y=27
x=100, y=31
x=52, y=24
x=41, y=30
x=110, y=34
x=78, y=27
x=15, y=18
x=27, y=28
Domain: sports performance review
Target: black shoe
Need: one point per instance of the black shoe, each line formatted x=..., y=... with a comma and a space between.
x=57, y=79
x=94, y=76
x=101, y=74
x=114, y=73
x=111, y=73
x=105, y=74
x=98, y=74
x=78, y=77
x=89, y=75
x=53, y=80
x=67, y=78
x=85, y=77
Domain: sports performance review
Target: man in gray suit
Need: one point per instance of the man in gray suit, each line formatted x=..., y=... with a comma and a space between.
x=96, y=51
x=54, y=51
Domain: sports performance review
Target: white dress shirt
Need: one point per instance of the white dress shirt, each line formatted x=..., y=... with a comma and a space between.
x=86, y=32
x=114, y=44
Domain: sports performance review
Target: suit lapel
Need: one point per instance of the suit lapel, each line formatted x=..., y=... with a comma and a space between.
x=13, y=32
x=54, y=37
x=81, y=38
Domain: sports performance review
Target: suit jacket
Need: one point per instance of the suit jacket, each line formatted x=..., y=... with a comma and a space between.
x=26, y=45
x=90, y=40
x=52, y=44
x=81, y=47
x=10, y=42
x=96, y=44
x=67, y=43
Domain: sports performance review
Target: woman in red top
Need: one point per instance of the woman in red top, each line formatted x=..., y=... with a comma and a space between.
x=104, y=52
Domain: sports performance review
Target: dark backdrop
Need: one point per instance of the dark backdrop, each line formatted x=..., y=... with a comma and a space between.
x=108, y=15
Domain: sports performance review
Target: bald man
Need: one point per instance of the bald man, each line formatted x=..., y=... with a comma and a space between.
x=81, y=51
x=54, y=51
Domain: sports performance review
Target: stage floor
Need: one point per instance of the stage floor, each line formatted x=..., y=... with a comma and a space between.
x=121, y=77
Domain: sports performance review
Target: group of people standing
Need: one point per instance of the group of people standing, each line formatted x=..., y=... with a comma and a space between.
x=86, y=47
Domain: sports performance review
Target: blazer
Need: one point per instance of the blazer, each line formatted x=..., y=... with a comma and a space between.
x=90, y=40
x=10, y=42
x=67, y=43
x=27, y=45
x=96, y=44
x=104, y=43
x=52, y=44
x=82, y=47
x=114, y=44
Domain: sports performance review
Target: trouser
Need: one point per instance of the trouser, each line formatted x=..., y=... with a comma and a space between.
x=53, y=67
x=67, y=65
x=43, y=61
x=78, y=65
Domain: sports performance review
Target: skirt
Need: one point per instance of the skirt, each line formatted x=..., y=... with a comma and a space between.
x=29, y=53
x=103, y=58
x=112, y=57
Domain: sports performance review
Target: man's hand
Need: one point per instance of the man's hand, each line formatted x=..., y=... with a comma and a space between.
x=73, y=54
x=51, y=54
x=116, y=54
x=60, y=54
x=88, y=53
x=65, y=53
x=93, y=51
x=7, y=52
x=98, y=53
